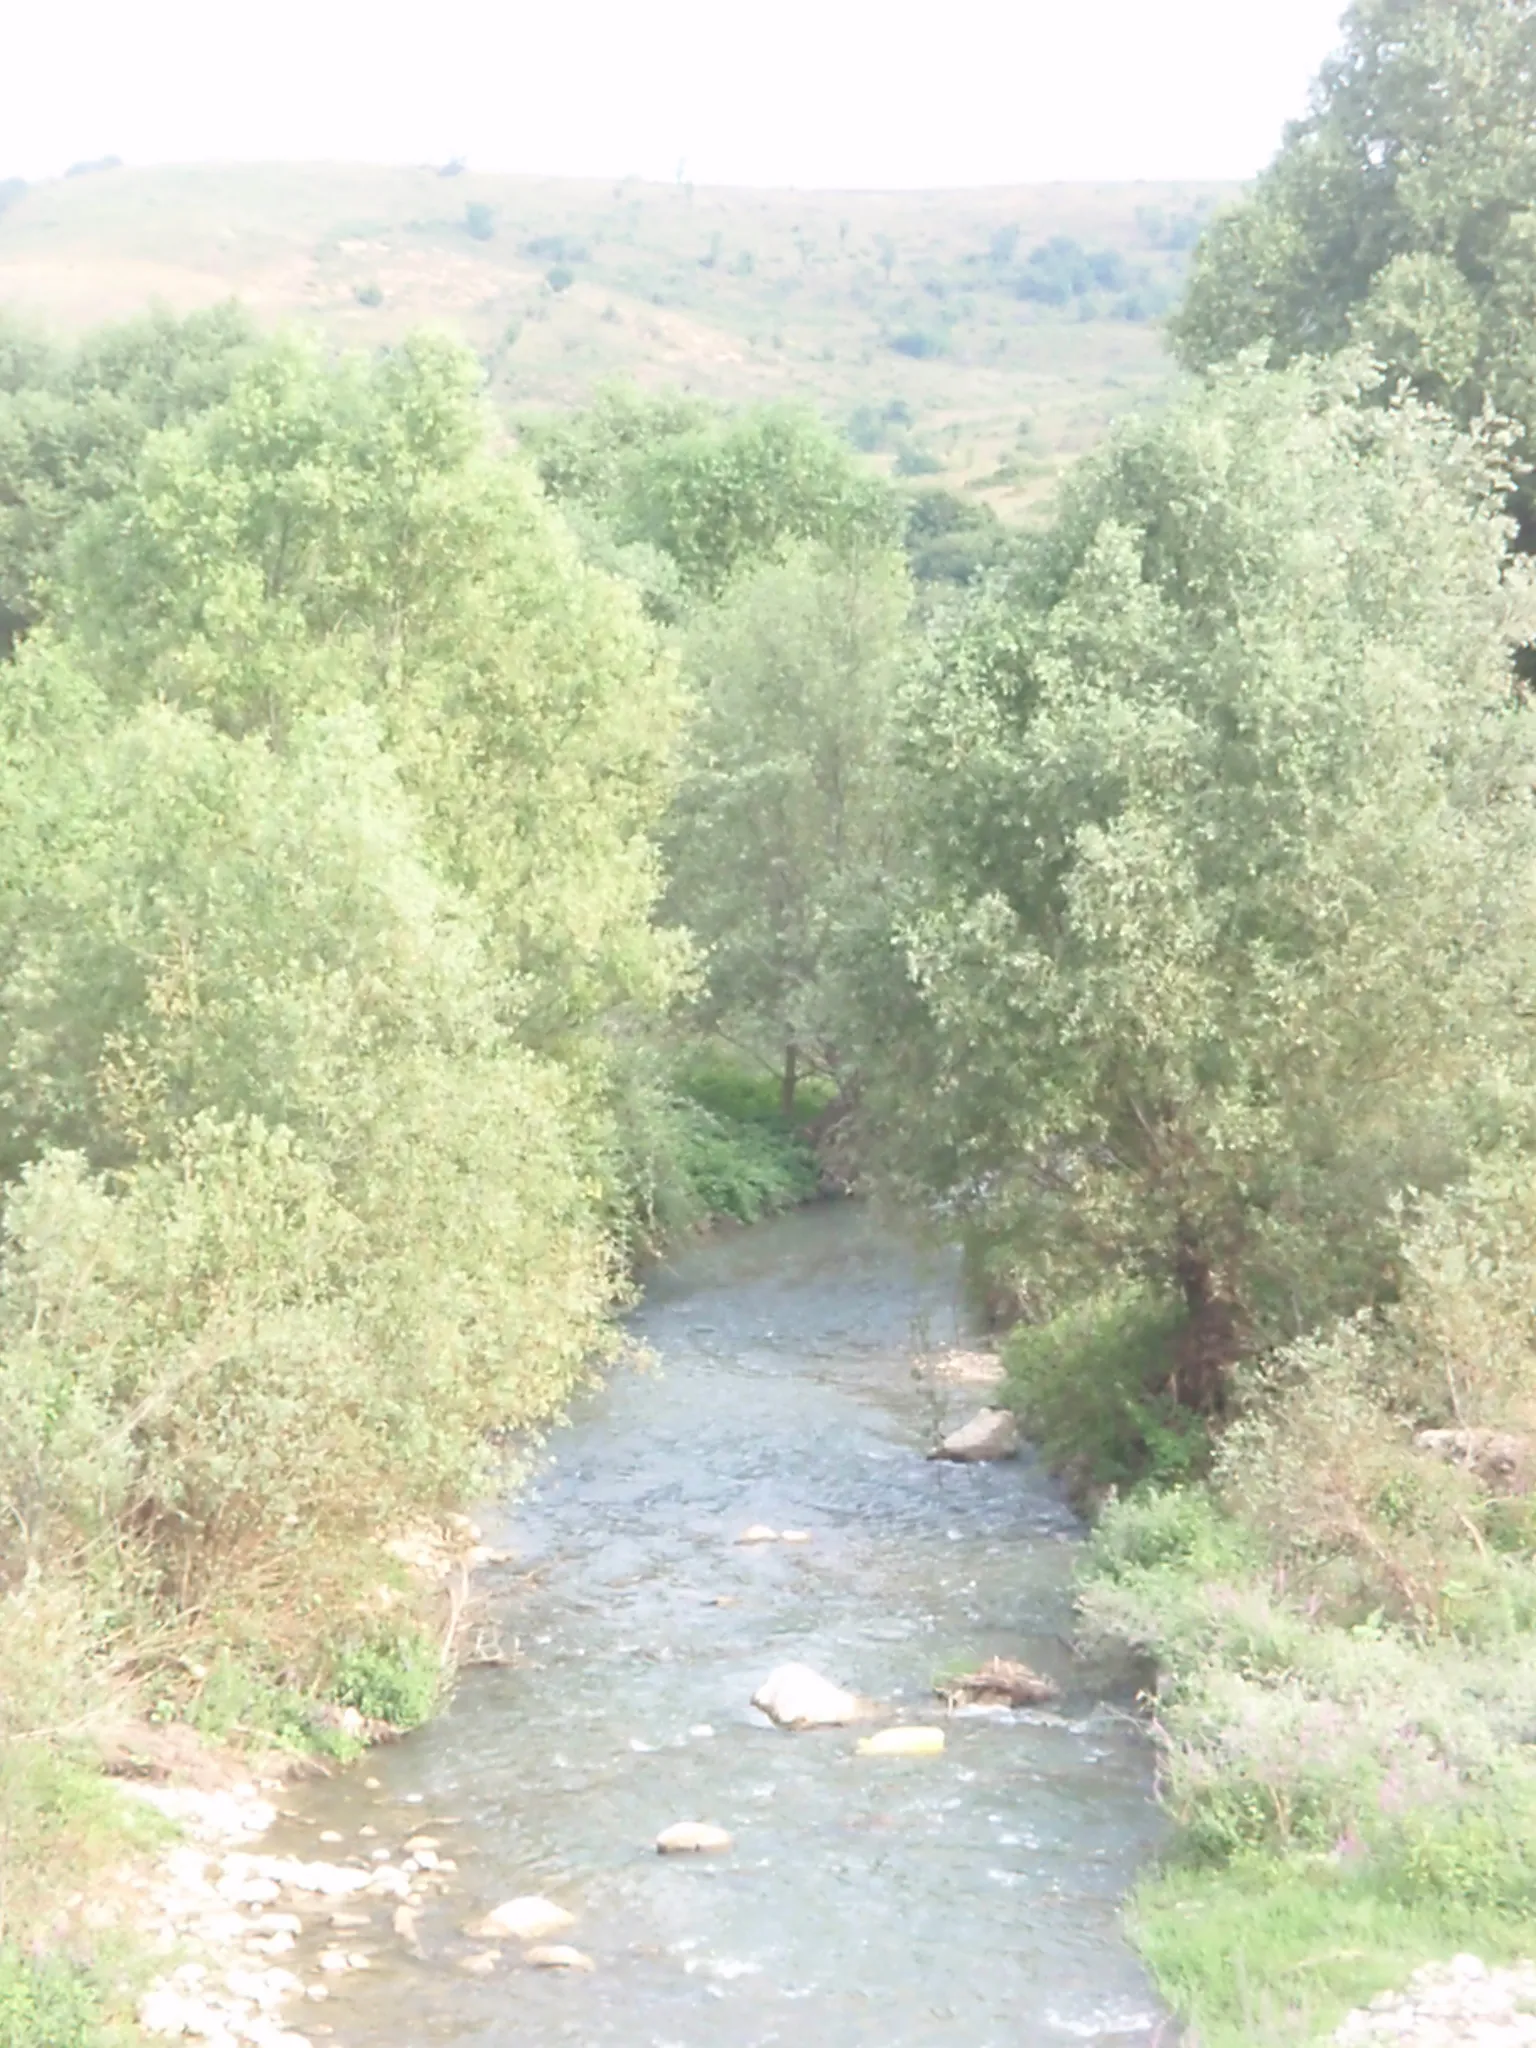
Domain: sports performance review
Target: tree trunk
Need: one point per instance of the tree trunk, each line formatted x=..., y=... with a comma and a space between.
x=787, y=1081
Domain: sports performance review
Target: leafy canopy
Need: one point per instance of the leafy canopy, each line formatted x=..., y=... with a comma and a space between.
x=1219, y=931
x=1399, y=214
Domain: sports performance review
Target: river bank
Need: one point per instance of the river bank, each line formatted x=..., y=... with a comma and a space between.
x=908, y=1895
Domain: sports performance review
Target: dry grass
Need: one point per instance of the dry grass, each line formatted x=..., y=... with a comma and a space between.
x=733, y=295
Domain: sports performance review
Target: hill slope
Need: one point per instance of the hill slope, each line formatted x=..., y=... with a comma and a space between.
x=982, y=337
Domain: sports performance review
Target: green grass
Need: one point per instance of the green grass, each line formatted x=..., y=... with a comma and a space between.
x=1269, y=1951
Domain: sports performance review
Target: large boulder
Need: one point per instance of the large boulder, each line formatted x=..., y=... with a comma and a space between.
x=795, y=1696
x=991, y=1433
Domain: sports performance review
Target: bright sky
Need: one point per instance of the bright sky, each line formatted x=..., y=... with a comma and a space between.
x=777, y=92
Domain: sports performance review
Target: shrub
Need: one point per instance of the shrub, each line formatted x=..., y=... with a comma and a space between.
x=46, y=2003
x=395, y=1677
x=1092, y=1387
x=559, y=277
x=480, y=220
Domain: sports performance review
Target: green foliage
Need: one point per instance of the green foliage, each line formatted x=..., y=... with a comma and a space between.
x=46, y=2003
x=744, y=1169
x=1344, y=1656
x=480, y=220
x=326, y=878
x=1399, y=214
x=72, y=428
x=1094, y=1388
x=714, y=493
x=746, y=1095
x=559, y=277
x=395, y=1677
x=784, y=819
x=1215, y=899
x=952, y=540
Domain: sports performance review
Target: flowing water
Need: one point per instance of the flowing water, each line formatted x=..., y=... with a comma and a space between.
x=965, y=1898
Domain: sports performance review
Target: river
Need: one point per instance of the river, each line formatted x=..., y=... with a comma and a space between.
x=966, y=1898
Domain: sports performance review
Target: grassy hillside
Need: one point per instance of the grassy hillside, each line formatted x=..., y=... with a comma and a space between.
x=942, y=328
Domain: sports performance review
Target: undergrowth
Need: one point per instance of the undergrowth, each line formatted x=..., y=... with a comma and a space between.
x=1091, y=1387
x=1339, y=1596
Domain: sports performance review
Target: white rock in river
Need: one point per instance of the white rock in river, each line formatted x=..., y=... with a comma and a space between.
x=991, y=1433
x=559, y=1957
x=528, y=1918
x=686, y=1837
x=758, y=1533
x=795, y=1696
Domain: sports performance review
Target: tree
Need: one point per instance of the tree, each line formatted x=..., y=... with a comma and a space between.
x=712, y=492
x=1399, y=214
x=784, y=823
x=1218, y=936
x=334, y=534
x=72, y=427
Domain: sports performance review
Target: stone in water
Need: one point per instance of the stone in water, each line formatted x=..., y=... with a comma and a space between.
x=558, y=1957
x=795, y=1696
x=528, y=1918
x=691, y=1837
x=992, y=1433
x=903, y=1742
x=758, y=1533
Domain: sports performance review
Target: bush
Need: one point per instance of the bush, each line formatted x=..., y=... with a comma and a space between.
x=480, y=220
x=46, y=2003
x=395, y=1677
x=559, y=277
x=1092, y=1387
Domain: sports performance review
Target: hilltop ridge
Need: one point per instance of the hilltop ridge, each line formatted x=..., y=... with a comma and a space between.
x=981, y=337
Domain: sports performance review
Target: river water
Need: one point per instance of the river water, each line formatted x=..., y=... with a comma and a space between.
x=969, y=1898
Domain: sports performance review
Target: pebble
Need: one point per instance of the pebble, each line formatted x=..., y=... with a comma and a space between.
x=758, y=1533
x=558, y=1957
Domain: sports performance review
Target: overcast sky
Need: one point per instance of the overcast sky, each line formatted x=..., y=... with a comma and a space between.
x=776, y=92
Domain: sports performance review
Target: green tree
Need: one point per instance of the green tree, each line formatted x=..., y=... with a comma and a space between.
x=333, y=534
x=1219, y=934
x=784, y=825
x=1400, y=213
x=72, y=427
x=711, y=492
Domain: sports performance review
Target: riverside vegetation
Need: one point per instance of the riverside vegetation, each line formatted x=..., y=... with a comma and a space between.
x=434, y=873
